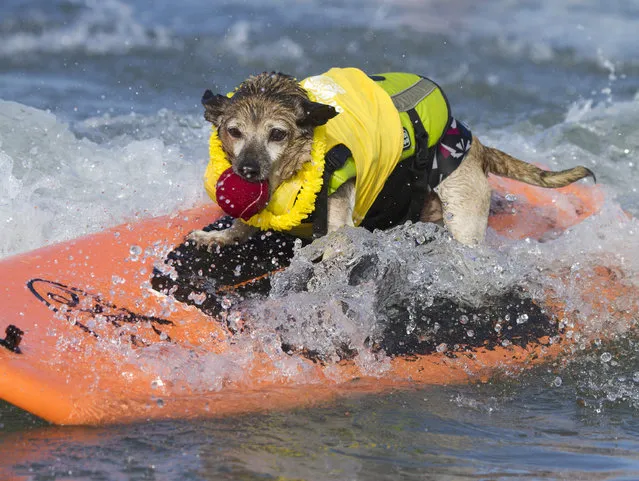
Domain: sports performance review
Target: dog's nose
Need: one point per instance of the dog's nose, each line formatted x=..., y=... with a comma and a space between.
x=250, y=171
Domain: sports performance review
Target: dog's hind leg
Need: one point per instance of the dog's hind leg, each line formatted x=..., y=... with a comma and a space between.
x=432, y=210
x=465, y=199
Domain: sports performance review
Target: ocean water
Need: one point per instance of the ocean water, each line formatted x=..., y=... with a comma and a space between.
x=100, y=122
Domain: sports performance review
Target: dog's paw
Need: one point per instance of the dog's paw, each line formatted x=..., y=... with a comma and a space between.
x=209, y=240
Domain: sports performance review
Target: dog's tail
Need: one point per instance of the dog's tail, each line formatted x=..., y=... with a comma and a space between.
x=504, y=165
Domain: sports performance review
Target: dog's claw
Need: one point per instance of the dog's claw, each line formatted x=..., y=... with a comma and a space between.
x=199, y=239
x=210, y=240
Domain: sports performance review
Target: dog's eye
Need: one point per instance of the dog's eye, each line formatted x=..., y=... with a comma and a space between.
x=277, y=135
x=234, y=132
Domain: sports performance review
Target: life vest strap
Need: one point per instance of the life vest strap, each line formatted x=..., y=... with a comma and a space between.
x=333, y=160
x=422, y=163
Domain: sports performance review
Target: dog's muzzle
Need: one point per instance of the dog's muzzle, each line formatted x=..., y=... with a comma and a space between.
x=250, y=170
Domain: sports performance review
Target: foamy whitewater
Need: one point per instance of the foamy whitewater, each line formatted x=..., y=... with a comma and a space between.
x=100, y=123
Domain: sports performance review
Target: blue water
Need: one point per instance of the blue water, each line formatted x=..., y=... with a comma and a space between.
x=100, y=122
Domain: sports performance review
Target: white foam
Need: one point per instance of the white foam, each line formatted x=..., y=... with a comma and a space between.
x=536, y=30
x=61, y=186
x=238, y=41
x=599, y=136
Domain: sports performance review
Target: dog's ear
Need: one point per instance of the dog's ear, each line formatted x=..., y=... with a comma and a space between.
x=214, y=106
x=315, y=114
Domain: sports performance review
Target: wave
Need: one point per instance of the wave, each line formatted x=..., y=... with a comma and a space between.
x=93, y=27
x=103, y=170
x=61, y=185
x=539, y=28
x=113, y=26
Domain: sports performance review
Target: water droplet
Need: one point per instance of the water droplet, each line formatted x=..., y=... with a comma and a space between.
x=197, y=298
x=470, y=333
x=463, y=319
x=635, y=376
x=226, y=303
x=443, y=347
x=234, y=321
x=414, y=277
x=410, y=327
x=160, y=402
x=557, y=381
x=522, y=318
x=605, y=357
x=135, y=252
x=510, y=197
x=156, y=383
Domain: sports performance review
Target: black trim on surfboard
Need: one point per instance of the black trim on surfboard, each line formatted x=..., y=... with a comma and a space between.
x=450, y=326
x=214, y=281
x=13, y=338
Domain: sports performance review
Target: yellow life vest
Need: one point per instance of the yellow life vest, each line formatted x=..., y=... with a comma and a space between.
x=378, y=132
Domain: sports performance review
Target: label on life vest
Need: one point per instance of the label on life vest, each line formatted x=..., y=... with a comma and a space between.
x=406, y=145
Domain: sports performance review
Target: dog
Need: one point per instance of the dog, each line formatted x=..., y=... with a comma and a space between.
x=269, y=126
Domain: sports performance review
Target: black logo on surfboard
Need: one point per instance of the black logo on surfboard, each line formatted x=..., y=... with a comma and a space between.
x=90, y=313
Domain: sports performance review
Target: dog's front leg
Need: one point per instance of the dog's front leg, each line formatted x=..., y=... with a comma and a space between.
x=340, y=213
x=340, y=206
x=239, y=232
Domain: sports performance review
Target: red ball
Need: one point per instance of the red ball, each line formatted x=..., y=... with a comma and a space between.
x=240, y=198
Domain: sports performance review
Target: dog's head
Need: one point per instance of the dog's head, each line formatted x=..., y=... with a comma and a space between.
x=266, y=128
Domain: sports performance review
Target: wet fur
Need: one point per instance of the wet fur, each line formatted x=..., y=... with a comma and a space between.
x=275, y=101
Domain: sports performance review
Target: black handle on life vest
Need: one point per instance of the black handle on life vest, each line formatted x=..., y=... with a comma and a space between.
x=333, y=160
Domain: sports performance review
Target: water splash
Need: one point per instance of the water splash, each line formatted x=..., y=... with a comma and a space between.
x=60, y=186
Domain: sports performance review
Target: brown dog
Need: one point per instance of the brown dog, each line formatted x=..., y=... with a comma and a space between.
x=267, y=130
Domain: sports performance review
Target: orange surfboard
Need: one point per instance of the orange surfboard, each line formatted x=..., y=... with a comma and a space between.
x=98, y=329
